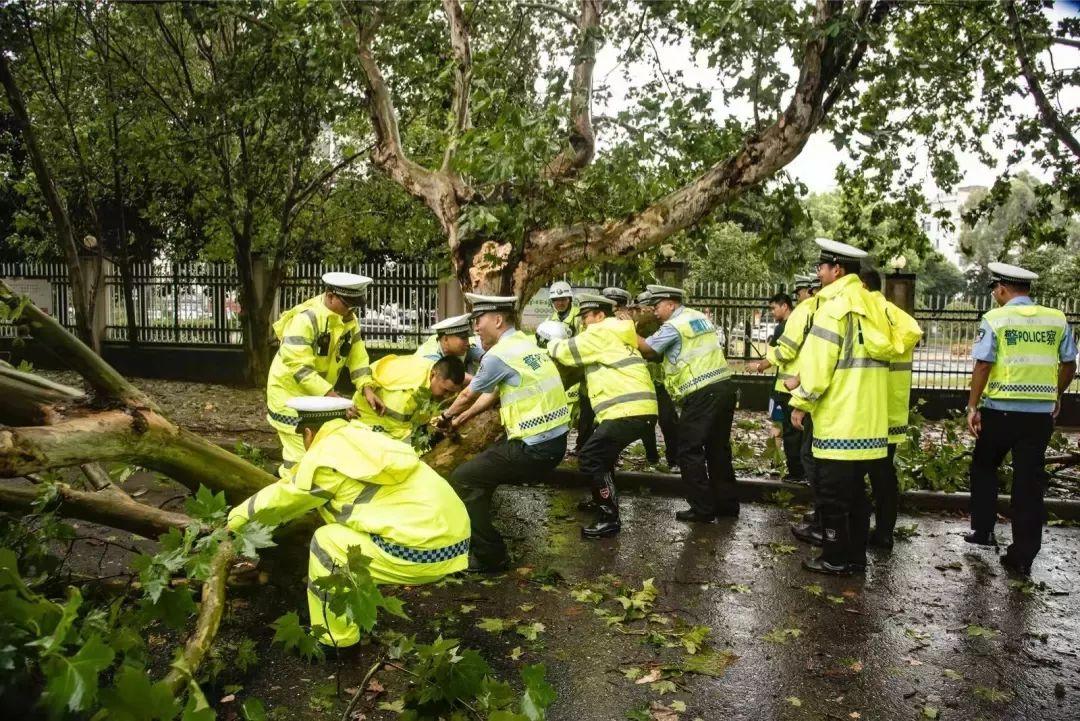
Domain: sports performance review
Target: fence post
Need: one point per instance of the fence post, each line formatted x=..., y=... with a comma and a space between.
x=900, y=289
x=451, y=301
x=90, y=266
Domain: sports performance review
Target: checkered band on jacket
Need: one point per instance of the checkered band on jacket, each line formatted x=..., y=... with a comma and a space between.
x=422, y=555
x=850, y=444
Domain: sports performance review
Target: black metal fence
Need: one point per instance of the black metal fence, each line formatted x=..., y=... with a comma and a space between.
x=197, y=304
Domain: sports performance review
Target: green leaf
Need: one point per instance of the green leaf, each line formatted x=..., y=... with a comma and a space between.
x=72, y=682
x=395, y=706
x=495, y=625
x=197, y=709
x=814, y=589
x=206, y=506
x=292, y=636
x=929, y=712
x=708, y=662
x=55, y=641
x=253, y=710
x=794, y=701
x=135, y=698
x=252, y=536
x=173, y=607
x=663, y=687
x=538, y=692
x=530, y=631
x=694, y=639
x=974, y=631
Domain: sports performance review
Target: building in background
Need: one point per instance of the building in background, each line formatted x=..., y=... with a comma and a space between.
x=946, y=240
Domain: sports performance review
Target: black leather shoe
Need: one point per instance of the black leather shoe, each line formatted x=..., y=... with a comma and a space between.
x=602, y=528
x=820, y=565
x=1015, y=567
x=728, y=511
x=807, y=533
x=587, y=504
x=476, y=566
x=982, y=538
x=810, y=517
x=694, y=517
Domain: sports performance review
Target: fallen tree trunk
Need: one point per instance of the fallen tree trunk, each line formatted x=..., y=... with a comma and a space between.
x=103, y=507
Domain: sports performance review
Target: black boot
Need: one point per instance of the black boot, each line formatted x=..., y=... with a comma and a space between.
x=587, y=504
x=807, y=532
x=607, y=510
x=982, y=538
x=834, y=558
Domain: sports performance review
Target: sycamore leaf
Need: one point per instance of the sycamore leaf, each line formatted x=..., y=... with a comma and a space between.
x=135, y=698
x=72, y=682
x=206, y=505
x=538, y=692
x=530, y=631
x=291, y=635
x=252, y=536
x=974, y=631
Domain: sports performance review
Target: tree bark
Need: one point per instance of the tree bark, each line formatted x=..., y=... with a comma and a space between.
x=103, y=507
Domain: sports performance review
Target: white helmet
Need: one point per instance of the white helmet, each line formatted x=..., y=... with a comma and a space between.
x=560, y=289
x=551, y=330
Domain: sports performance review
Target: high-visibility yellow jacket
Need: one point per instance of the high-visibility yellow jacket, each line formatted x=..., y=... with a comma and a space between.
x=1028, y=342
x=617, y=378
x=701, y=360
x=538, y=403
x=316, y=343
x=785, y=354
x=403, y=384
x=373, y=484
x=844, y=374
x=577, y=325
x=908, y=331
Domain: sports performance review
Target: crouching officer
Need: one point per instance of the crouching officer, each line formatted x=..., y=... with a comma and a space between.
x=621, y=394
x=1025, y=358
x=532, y=407
x=318, y=338
x=696, y=374
x=373, y=492
x=453, y=337
x=410, y=388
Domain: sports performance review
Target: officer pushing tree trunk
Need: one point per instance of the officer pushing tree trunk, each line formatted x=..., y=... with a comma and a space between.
x=621, y=393
x=696, y=374
x=1025, y=358
x=318, y=338
x=524, y=381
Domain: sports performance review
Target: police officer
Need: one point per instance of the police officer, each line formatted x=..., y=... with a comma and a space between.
x=784, y=356
x=410, y=388
x=883, y=480
x=373, y=492
x=696, y=374
x=668, y=420
x=621, y=393
x=801, y=287
x=453, y=337
x=1025, y=358
x=565, y=310
x=525, y=383
x=781, y=307
x=318, y=338
x=843, y=381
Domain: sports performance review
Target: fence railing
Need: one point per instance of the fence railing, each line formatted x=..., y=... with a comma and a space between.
x=198, y=304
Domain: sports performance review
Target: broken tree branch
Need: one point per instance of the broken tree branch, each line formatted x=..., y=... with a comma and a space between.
x=106, y=509
x=206, y=625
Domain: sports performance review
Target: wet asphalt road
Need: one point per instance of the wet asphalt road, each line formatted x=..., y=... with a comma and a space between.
x=897, y=646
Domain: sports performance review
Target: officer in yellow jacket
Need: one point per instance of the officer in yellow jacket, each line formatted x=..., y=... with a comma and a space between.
x=1025, y=358
x=453, y=337
x=696, y=374
x=883, y=479
x=784, y=355
x=621, y=393
x=373, y=492
x=565, y=310
x=318, y=338
x=843, y=381
x=410, y=388
x=524, y=381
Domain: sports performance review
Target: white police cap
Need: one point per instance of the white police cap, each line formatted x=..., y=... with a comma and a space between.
x=592, y=301
x=486, y=303
x=1008, y=273
x=620, y=296
x=319, y=409
x=347, y=285
x=455, y=325
x=560, y=289
x=803, y=281
x=662, y=292
x=833, y=251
